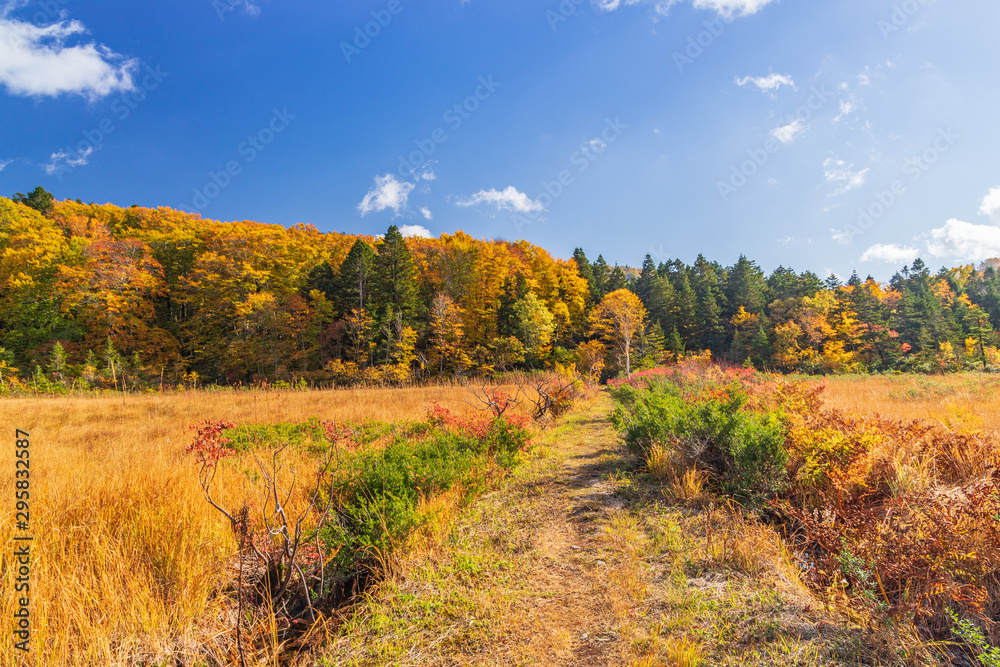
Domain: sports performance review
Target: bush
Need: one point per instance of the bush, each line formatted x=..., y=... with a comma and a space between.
x=743, y=451
x=381, y=492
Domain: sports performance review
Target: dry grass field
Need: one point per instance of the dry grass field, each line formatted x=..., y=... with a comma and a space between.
x=960, y=401
x=127, y=554
x=128, y=559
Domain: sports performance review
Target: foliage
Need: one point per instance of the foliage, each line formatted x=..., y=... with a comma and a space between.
x=889, y=518
x=619, y=319
x=244, y=303
x=743, y=451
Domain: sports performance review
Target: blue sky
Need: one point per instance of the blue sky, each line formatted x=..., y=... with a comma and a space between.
x=823, y=135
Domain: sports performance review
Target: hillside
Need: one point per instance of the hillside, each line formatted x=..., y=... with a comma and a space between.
x=102, y=296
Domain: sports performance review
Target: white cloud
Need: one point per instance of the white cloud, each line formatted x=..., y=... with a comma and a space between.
x=35, y=60
x=725, y=8
x=427, y=175
x=507, y=200
x=427, y=213
x=729, y=8
x=891, y=253
x=386, y=193
x=838, y=171
x=4, y=164
x=767, y=84
x=846, y=109
x=416, y=230
x=841, y=236
x=61, y=159
x=991, y=204
x=786, y=134
x=964, y=241
x=249, y=6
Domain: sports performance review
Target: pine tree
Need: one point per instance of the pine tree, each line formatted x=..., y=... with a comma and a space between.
x=586, y=272
x=708, y=312
x=395, y=284
x=602, y=273
x=644, y=285
x=685, y=315
x=746, y=287
x=321, y=277
x=57, y=366
x=353, y=284
x=616, y=281
x=39, y=199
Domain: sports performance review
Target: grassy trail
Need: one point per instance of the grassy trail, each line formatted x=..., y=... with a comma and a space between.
x=580, y=560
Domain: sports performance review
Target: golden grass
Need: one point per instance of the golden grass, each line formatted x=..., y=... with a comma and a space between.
x=966, y=401
x=126, y=553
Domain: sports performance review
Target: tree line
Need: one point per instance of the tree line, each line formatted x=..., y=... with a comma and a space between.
x=98, y=295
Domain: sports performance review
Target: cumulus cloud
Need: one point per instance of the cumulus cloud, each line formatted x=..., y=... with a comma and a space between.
x=964, y=241
x=890, y=253
x=38, y=61
x=768, y=84
x=786, y=134
x=506, y=200
x=416, y=230
x=387, y=192
x=426, y=212
x=839, y=172
x=991, y=205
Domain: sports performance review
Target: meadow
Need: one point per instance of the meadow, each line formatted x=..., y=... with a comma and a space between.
x=128, y=557
x=883, y=489
x=951, y=400
x=131, y=565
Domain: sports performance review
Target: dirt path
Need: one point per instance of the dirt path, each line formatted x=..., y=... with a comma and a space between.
x=567, y=615
x=579, y=561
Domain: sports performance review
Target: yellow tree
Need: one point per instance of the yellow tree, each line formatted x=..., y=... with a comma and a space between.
x=447, y=333
x=619, y=319
x=112, y=292
x=32, y=248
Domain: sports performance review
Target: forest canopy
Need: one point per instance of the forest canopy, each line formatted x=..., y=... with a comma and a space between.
x=98, y=294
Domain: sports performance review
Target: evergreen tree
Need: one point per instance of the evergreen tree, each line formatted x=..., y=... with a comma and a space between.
x=644, y=285
x=395, y=285
x=321, y=277
x=685, y=312
x=353, y=284
x=57, y=366
x=782, y=284
x=711, y=330
x=602, y=273
x=746, y=287
x=39, y=199
x=674, y=343
x=616, y=281
x=586, y=272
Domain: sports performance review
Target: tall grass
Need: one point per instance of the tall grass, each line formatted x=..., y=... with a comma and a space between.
x=891, y=516
x=127, y=556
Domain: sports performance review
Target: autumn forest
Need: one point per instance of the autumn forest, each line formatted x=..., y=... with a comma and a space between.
x=102, y=296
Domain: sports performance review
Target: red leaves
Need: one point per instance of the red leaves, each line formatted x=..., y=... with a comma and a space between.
x=477, y=426
x=338, y=435
x=209, y=445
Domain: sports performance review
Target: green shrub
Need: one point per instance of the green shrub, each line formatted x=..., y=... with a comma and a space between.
x=743, y=451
